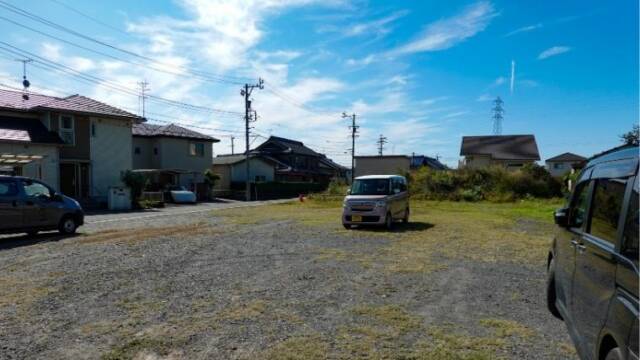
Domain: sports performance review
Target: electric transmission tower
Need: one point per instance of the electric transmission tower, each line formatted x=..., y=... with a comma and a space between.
x=498, y=116
x=144, y=88
x=381, y=141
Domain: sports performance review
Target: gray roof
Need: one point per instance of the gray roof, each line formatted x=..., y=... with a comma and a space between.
x=501, y=147
x=26, y=130
x=171, y=130
x=289, y=146
x=229, y=159
x=74, y=103
x=567, y=157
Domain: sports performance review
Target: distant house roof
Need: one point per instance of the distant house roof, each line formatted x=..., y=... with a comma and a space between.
x=422, y=160
x=26, y=130
x=74, y=103
x=229, y=159
x=171, y=130
x=333, y=164
x=501, y=147
x=288, y=146
x=382, y=156
x=567, y=157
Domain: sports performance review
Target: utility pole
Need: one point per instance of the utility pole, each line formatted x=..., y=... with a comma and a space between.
x=498, y=112
x=246, y=92
x=381, y=141
x=354, y=131
x=143, y=94
x=232, y=148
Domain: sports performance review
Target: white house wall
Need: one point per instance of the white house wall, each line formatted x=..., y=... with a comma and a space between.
x=111, y=149
x=257, y=167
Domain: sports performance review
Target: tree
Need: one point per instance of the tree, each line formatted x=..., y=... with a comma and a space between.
x=210, y=179
x=136, y=182
x=632, y=137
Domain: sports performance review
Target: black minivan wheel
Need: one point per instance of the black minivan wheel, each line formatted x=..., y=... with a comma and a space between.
x=614, y=354
x=388, y=221
x=405, y=219
x=67, y=225
x=551, y=290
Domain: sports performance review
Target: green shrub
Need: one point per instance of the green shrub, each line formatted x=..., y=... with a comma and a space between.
x=137, y=182
x=492, y=183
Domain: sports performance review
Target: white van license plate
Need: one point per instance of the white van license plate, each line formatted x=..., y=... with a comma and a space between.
x=356, y=218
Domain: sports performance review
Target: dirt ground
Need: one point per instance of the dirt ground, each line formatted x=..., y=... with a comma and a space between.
x=286, y=281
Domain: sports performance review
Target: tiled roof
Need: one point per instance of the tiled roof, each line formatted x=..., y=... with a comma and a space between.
x=171, y=130
x=567, y=157
x=26, y=130
x=74, y=103
x=290, y=146
x=501, y=147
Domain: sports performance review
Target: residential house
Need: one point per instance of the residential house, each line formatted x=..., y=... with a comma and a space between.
x=296, y=162
x=80, y=146
x=232, y=169
x=171, y=154
x=382, y=165
x=562, y=164
x=419, y=161
x=510, y=151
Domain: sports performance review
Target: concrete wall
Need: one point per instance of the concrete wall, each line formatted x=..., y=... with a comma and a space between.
x=224, y=172
x=46, y=169
x=145, y=159
x=381, y=165
x=110, y=154
x=258, y=167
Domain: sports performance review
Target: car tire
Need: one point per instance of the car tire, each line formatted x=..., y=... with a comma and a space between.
x=388, y=221
x=405, y=219
x=551, y=290
x=614, y=354
x=347, y=226
x=67, y=225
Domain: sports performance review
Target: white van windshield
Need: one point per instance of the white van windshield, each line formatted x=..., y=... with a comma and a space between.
x=370, y=187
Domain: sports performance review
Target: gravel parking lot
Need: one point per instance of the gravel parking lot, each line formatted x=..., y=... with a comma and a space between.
x=283, y=281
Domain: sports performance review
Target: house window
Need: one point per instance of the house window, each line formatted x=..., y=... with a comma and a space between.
x=196, y=149
x=66, y=130
x=155, y=151
x=260, y=178
x=93, y=129
x=558, y=166
x=137, y=150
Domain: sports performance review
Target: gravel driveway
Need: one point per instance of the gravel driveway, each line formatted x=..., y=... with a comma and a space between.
x=222, y=284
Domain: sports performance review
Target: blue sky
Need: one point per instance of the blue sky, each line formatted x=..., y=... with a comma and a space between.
x=423, y=73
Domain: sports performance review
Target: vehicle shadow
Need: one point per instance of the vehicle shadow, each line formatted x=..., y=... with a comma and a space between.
x=412, y=226
x=20, y=240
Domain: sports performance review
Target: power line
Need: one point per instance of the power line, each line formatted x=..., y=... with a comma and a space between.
x=96, y=20
x=215, y=77
x=105, y=83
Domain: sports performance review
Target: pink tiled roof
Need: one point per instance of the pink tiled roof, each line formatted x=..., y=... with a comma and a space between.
x=74, y=103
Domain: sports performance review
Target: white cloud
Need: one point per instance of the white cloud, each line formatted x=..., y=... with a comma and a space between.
x=446, y=33
x=362, y=62
x=499, y=81
x=485, y=97
x=553, y=51
x=51, y=51
x=377, y=27
x=524, y=29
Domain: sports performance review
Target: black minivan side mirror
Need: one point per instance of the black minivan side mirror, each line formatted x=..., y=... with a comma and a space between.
x=57, y=197
x=561, y=217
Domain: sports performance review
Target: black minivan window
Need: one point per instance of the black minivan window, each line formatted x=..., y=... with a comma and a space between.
x=8, y=188
x=606, y=207
x=630, y=238
x=579, y=205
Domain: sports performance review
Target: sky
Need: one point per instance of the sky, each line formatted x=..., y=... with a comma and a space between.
x=421, y=73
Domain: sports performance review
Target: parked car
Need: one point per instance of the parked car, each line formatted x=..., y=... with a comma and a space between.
x=593, y=262
x=376, y=200
x=180, y=195
x=28, y=205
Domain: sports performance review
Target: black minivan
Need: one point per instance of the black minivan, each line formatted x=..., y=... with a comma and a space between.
x=592, y=281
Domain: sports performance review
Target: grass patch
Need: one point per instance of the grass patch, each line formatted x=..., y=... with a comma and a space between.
x=392, y=317
x=506, y=328
x=142, y=348
x=298, y=348
x=246, y=311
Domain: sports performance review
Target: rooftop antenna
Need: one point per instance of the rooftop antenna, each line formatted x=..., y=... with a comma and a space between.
x=25, y=82
x=498, y=113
